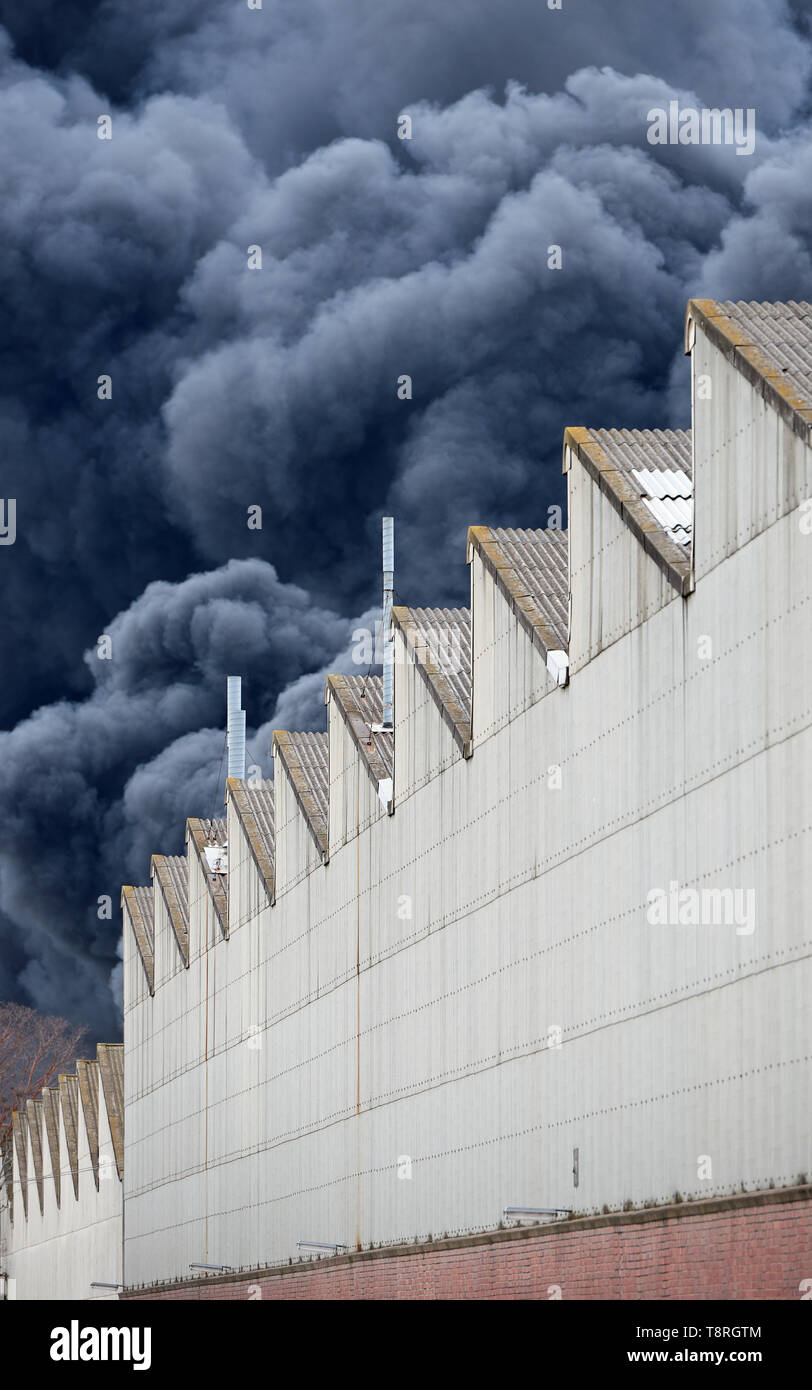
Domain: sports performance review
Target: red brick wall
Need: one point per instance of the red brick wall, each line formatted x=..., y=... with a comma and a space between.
x=756, y=1246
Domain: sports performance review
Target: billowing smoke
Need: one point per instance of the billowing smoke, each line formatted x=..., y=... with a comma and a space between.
x=429, y=313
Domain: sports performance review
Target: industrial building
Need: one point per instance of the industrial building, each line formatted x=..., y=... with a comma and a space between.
x=61, y=1221
x=526, y=935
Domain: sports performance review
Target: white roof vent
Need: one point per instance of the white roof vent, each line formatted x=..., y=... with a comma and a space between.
x=558, y=665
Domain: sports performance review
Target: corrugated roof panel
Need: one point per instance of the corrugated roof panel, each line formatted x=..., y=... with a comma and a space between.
x=88, y=1074
x=254, y=803
x=360, y=700
x=446, y=635
x=143, y=898
x=139, y=905
x=670, y=482
x=308, y=756
x=19, y=1127
x=7, y=1165
x=657, y=451
x=172, y=874
x=440, y=639
x=674, y=514
x=259, y=798
x=668, y=495
x=177, y=873
x=365, y=700
x=50, y=1112
x=111, y=1067
x=35, y=1127
x=215, y=831
x=539, y=560
x=783, y=332
x=69, y=1097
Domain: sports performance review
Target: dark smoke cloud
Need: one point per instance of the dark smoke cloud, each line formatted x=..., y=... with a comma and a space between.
x=105, y=782
x=277, y=387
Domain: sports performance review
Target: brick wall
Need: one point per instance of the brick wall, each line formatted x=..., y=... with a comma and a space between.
x=756, y=1246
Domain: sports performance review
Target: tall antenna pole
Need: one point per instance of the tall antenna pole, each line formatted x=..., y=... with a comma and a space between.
x=388, y=595
x=235, y=728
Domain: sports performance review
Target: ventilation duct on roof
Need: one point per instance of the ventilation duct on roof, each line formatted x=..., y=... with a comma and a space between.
x=235, y=729
x=388, y=595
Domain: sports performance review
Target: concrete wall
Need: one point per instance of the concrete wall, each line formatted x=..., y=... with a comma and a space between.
x=426, y=1028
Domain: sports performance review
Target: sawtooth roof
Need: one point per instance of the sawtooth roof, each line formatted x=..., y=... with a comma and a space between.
x=37, y=1123
x=440, y=639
